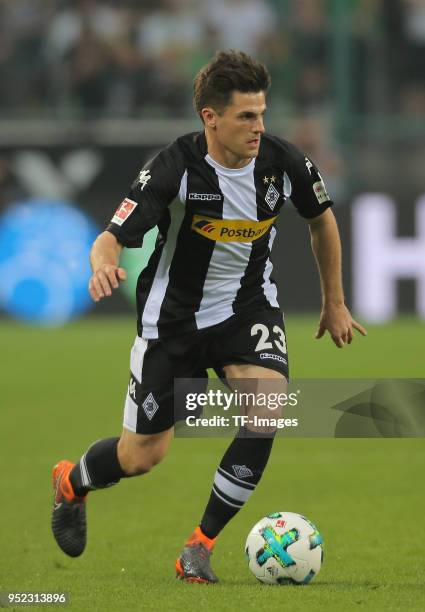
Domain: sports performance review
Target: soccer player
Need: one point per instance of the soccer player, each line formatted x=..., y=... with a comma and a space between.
x=206, y=298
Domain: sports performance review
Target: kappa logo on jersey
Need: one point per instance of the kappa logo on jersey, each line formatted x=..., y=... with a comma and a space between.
x=222, y=230
x=150, y=406
x=241, y=471
x=272, y=196
x=320, y=192
x=144, y=178
x=205, y=197
x=124, y=211
x=309, y=165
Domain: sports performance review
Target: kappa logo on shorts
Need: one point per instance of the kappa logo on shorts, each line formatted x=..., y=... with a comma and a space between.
x=242, y=471
x=150, y=406
x=132, y=388
x=273, y=356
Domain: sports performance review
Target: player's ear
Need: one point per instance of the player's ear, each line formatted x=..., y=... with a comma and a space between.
x=210, y=117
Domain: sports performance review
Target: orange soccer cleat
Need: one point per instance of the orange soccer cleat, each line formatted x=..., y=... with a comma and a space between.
x=193, y=565
x=69, y=523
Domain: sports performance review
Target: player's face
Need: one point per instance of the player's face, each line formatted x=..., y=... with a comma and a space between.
x=237, y=130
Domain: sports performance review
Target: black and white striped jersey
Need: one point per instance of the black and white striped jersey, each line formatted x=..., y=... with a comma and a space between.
x=216, y=230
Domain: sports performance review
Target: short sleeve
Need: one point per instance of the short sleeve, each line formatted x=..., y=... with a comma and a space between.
x=155, y=187
x=308, y=191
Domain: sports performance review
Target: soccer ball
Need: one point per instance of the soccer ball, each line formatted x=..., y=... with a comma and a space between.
x=284, y=548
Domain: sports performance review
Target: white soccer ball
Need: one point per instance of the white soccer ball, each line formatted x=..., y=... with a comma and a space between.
x=284, y=548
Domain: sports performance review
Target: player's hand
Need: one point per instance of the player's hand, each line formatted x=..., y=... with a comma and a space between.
x=104, y=280
x=337, y=320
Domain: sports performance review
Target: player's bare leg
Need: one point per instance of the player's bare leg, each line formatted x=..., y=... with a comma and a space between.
x=236, y=478
x=139, y=453
x=103, y=465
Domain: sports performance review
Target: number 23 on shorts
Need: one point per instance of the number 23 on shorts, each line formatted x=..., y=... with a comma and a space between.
x=268, y=339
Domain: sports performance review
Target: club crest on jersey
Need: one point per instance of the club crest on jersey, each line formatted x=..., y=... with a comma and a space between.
x=144, y=178
x=222, y=230
x=123, y=211
x=272, y=196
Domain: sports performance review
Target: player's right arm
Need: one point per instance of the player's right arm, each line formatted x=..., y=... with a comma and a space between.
x=104, y=261
x=155, y=187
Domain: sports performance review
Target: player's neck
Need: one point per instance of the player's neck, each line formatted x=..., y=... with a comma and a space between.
x=223, y=156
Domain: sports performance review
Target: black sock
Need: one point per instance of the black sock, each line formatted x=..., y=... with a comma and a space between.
x=98, y=468
x=238, y=474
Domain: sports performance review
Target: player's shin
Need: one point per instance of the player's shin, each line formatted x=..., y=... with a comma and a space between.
x=238, y=474
x=98, y=468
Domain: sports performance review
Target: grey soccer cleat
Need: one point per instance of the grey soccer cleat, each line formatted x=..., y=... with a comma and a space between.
x=193, y=565
x=69, y=523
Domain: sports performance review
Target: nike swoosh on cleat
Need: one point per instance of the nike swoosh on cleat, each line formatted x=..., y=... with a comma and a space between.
x=57, y=487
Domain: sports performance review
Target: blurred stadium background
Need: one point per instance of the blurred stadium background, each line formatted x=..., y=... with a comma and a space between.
x=89, y=90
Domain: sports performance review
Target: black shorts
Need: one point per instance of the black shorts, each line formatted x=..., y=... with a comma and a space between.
x=257, y=339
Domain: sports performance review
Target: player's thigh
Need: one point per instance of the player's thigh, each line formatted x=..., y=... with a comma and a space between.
x=152, y=404
x=149, y=401
x=253, y=346
x=255, y=380
x=247, y=370
x=255, y=364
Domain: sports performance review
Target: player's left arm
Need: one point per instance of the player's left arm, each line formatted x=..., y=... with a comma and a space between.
x=311, y=199
x=335, y=316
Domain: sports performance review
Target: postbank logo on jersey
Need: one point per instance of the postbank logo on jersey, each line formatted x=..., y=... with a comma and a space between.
x=222, y=230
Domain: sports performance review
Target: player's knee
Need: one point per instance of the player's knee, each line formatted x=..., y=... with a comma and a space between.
x=138, y=459
x=134, y=466
x=139, y=463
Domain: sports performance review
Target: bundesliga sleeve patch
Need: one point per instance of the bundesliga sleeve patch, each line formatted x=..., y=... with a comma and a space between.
x=320, y=192
x=123, y=211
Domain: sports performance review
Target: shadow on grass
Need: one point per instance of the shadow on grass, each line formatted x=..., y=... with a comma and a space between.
x=343, y=585
x=312, y=585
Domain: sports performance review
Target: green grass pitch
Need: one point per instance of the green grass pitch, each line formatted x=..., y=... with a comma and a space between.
x=62, y=389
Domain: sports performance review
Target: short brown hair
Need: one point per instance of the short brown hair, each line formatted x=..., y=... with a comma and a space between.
x=228, y=71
